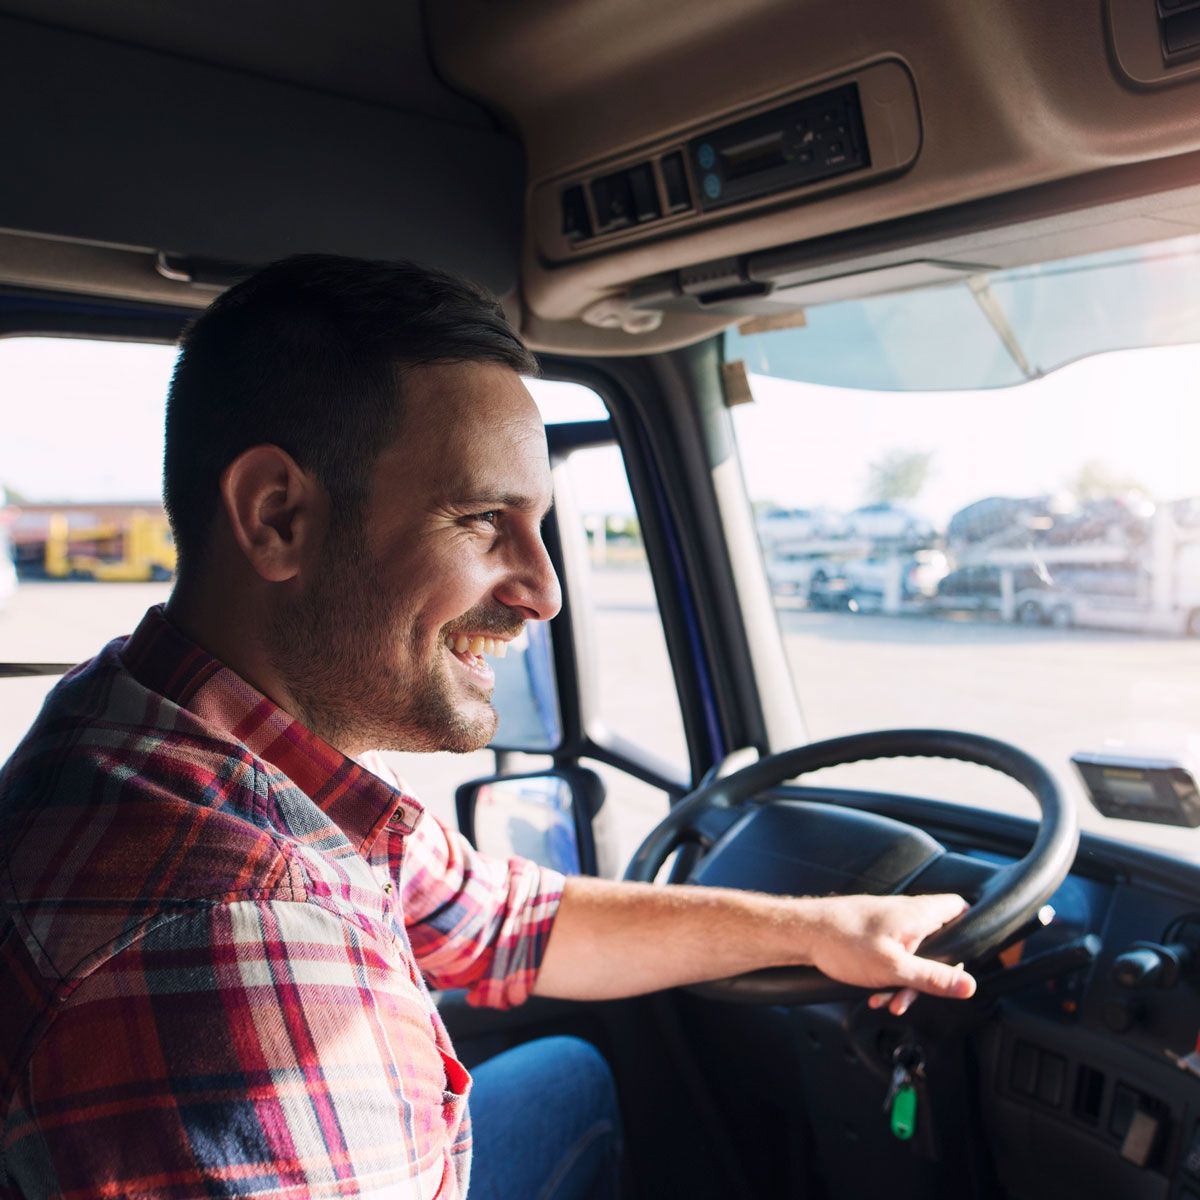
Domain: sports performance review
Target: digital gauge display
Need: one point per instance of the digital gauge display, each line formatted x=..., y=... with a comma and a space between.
x=1159, y=790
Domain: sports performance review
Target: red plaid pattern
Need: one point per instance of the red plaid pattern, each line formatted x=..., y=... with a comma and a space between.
x=214, y=944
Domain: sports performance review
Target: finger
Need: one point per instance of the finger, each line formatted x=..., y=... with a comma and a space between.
x=879, y=999
x=902, y=1001
x=938, y=979
x=942, y=908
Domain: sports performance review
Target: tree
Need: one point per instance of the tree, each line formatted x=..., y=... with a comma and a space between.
x=14, y=497
x=898, y=475
x=1096, y=480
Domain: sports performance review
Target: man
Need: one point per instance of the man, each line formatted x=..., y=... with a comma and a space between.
x=219, y=925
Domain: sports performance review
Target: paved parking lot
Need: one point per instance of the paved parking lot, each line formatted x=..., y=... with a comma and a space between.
x=1050, y=692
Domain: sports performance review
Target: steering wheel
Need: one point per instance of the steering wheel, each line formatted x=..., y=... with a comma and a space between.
x=798, y=847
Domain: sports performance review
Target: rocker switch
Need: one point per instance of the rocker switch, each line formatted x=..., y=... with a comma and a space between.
x=1142, y=1138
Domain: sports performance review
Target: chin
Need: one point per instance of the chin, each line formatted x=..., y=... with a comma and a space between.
x=473, y=728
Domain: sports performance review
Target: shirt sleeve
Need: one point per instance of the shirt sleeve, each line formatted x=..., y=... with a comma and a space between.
x=254, y=1048
x=473, y=921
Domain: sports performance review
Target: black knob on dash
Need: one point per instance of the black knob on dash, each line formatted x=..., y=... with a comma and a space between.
x=1147, y=965
x=1137, y=968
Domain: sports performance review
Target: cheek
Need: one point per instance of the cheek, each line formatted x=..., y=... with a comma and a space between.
x=464, y=578
x=436, y=585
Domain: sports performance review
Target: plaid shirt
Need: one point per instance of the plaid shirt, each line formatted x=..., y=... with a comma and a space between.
x=214, y=945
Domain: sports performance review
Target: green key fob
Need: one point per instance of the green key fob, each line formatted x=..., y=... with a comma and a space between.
x=904, y=1112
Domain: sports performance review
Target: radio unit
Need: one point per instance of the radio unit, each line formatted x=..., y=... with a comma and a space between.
x=847, y=132
x=810, y=139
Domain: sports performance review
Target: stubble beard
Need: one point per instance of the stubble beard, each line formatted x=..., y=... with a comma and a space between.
x=334, y=647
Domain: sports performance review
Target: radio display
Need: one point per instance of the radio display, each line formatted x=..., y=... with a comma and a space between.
x=800, y=143
x=758, y=154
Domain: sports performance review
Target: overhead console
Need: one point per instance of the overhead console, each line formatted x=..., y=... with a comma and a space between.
x=844, y=133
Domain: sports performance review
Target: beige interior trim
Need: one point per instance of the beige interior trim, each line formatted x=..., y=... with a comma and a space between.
x=118, y=272
x=1013, y=95
x=1137, y=45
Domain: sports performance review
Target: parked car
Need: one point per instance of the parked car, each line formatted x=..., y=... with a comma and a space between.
x=777, y=526
x=1002, y=519
x=979, y=586
x=1116, y=520
x=791, y=574
x=882, y=581
x=888, y=522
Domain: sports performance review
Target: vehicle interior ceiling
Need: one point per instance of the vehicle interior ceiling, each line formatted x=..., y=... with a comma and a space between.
x=557, y=154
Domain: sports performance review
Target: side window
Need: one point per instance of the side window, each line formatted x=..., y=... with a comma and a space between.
x=634, y=695
x=633, y=698
x=84, y=544
x=635, y=690
x=85, y=550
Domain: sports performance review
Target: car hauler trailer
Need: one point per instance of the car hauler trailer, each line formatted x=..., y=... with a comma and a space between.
x=1153, y=588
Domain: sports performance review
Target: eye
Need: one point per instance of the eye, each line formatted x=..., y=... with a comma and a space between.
x=491, y=517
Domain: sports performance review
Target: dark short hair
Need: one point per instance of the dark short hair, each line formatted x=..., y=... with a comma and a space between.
x=309, y=354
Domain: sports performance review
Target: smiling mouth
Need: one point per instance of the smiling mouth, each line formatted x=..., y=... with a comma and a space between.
x=470, y=649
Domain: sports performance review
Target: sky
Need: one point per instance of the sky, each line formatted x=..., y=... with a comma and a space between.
x=1135, y=411
x=83, y=420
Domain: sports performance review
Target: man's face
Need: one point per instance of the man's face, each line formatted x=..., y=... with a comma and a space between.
x=450, y=549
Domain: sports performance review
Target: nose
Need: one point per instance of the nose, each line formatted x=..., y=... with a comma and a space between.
x=530, y=585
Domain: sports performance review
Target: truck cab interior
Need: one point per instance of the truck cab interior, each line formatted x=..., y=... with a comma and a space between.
x=761, y=249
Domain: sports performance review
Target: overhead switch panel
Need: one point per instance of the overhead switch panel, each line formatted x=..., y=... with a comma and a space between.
x=797, y=147
x=809, y=140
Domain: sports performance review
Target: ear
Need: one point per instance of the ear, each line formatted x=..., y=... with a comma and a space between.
x=274, y=509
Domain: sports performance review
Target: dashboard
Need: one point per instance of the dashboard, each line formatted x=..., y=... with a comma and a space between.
x=1076, y=1068
x=1102, y=1056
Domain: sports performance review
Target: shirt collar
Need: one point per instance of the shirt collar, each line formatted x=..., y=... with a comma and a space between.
x=164, y=659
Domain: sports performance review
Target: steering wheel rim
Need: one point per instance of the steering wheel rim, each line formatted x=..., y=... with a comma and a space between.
x=1006, y=904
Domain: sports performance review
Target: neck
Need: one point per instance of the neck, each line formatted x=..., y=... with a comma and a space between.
x=229, y=627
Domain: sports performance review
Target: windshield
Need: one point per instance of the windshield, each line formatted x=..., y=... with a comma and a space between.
x=1022, y=562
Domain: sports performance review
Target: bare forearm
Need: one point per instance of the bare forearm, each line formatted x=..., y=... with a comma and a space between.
x=623, y=939
x=615, y=939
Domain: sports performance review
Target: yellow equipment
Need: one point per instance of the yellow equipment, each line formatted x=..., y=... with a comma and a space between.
x=147, y=550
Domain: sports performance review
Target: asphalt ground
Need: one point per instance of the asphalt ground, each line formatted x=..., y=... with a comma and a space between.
x=1050, y=692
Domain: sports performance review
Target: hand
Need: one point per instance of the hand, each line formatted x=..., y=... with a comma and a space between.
x=869, y=941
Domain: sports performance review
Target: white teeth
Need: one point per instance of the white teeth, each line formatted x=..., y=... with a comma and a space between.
x=476, y=644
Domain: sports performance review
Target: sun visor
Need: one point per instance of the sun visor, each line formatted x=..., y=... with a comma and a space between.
x=734, y=287
x=113, y=143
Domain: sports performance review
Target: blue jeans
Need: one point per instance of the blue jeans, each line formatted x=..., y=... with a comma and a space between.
x=545, y=1124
